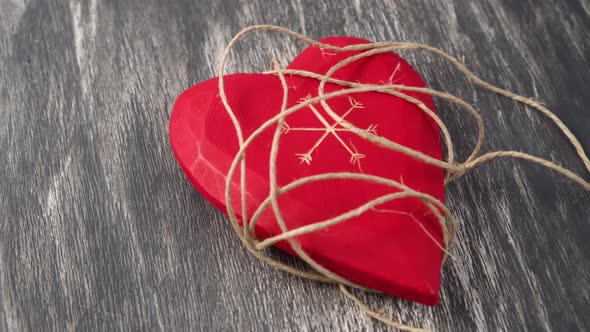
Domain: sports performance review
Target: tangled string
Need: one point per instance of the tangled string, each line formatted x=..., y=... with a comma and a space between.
x=454, y=169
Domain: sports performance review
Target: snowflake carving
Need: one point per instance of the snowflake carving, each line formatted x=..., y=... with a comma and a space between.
x=329, y=129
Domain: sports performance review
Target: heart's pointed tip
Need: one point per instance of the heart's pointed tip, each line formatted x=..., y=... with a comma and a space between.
x=434, y=300
x=429, y=300
x=421, y=288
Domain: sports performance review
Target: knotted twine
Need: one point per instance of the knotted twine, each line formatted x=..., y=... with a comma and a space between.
x=454, y=169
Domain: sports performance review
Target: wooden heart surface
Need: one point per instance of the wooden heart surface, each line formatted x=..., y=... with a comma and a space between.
x=388, y=248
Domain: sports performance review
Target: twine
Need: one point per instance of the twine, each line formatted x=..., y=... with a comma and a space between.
x=454, y=170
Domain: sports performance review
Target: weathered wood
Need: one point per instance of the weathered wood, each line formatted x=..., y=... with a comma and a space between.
x=100, y=230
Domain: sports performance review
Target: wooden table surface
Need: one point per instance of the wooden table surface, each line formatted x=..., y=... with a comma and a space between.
x=100, y=230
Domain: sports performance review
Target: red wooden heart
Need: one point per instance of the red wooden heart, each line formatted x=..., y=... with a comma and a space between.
x=384, y=248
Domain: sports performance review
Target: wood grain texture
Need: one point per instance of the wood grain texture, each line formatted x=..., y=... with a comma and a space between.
x=99, y=229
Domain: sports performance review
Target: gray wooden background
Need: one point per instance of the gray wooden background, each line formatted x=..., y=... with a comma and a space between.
x=100, y=230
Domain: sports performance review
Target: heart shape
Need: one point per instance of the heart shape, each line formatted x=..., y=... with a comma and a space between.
x=385, y=248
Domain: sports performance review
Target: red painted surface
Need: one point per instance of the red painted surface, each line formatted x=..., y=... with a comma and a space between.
x=382, y=250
